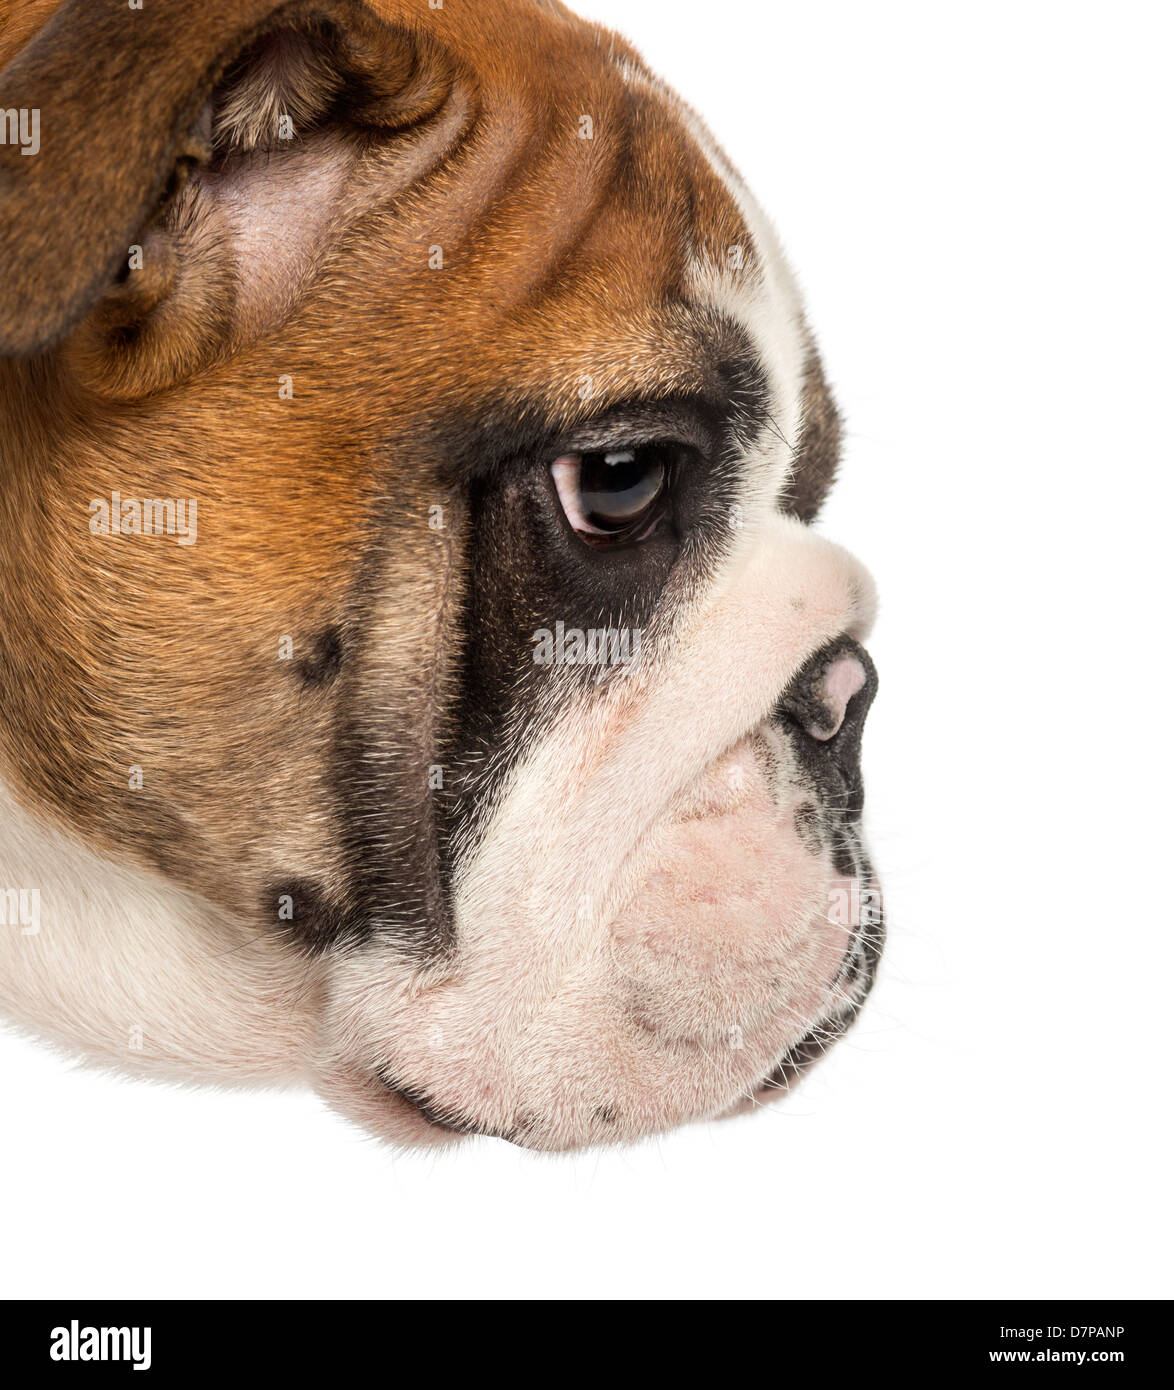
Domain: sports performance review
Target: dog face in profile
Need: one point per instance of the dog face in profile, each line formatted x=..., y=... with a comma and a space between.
x=419, y=676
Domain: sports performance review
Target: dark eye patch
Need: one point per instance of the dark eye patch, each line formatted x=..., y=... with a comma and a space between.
x=414, y=799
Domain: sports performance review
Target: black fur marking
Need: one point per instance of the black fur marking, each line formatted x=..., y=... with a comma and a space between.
x=476, y=698
x=388, y=831
x=304, y=914
x=325, y=660
x=807, y=827
x=817, y=455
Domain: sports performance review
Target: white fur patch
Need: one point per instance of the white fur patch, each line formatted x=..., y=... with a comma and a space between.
x=134, y=973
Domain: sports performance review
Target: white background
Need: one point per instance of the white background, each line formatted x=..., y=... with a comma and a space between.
x=977, y=203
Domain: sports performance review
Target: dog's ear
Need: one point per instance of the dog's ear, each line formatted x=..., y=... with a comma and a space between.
x=171, y=168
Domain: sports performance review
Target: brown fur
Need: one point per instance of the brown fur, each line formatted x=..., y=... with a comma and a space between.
x=563, y=259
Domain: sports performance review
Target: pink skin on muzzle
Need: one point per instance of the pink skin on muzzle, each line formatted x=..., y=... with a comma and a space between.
x=730, y=930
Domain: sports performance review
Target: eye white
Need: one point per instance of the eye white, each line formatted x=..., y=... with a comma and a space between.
x=566, y=472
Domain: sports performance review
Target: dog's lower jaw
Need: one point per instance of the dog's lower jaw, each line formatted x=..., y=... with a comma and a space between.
x=407, y=1115
x=802, y=1057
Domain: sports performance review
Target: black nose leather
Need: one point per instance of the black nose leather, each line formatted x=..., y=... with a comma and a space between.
x=824, y=709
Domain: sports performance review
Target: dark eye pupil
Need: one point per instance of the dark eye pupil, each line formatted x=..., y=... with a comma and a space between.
x=617, y=487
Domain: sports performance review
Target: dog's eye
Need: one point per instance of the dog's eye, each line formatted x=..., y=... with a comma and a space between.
x=614, y=495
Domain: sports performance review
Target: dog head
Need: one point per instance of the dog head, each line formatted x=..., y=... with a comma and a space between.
x=411, y=622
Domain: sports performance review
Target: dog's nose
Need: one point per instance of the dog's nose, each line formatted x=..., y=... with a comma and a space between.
x=830, y=697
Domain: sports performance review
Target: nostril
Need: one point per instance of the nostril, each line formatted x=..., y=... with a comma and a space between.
x=833, y=688
x=842, y=679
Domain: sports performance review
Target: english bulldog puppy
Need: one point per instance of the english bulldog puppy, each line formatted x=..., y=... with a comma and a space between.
x=419, y=679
